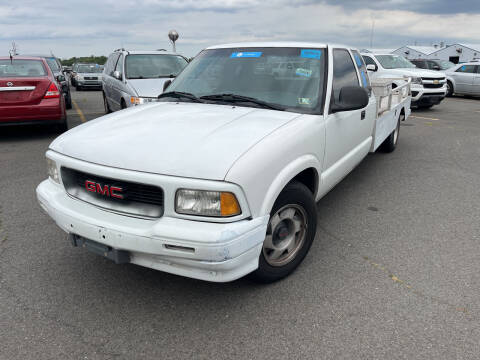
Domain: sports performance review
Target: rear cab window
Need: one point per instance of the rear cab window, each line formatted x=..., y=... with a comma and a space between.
x=22, y=68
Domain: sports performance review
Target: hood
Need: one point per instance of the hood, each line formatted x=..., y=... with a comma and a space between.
x=148, y=87
x=413, y=72
x=180, y=139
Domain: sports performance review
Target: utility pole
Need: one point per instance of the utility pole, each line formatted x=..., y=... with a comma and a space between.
x=371, y=33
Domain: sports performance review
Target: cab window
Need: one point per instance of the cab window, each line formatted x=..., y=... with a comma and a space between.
x=344, y=73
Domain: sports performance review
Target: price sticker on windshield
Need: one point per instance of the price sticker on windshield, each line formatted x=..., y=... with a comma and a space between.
x=310, y=53
x=303, y=72
x=246, y=54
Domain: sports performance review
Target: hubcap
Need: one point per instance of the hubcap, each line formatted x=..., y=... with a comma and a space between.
x=285, y=235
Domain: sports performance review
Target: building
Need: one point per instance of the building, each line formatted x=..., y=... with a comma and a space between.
x=457, y=53
x=415, y=52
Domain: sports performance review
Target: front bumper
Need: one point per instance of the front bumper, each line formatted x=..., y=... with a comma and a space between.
x=218, y=252
x=426, y=96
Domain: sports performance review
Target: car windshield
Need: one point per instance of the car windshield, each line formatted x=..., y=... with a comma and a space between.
x=22, y=68
x=444, y=65
x=394, y=62
x=52, y=64
x=287, y=78
x=151, y=66
x=89, y=69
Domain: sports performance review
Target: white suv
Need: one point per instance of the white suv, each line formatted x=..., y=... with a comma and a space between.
x=428, y=87
x=136, y=77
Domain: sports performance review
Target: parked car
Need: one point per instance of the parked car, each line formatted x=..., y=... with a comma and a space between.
x=57, y=69
x=432, y=64
x=220, y=179
x=88, y=76
x=30, y=94
x=464, y=79
x=428, y=87
x=137, y=77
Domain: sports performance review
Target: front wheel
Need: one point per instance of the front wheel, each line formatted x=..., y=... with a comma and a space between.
x=449, y=88
x=290, y=233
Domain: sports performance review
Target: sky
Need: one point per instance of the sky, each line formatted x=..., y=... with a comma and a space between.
x=82, y=28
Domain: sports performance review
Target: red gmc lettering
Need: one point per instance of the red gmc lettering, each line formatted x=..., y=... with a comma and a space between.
x=114, y=190
x=90, y=186
x=103, y=191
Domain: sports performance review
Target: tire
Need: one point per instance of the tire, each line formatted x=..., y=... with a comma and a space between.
x=294, y=221
x=105, y=104
x=449, y=88
x=425, y=106
x=123, y=104
x=62, y=127
x=391, y=141
x=78, y=87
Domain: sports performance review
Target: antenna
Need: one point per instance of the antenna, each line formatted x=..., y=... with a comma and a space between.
x=372, y=32
x=173, y=36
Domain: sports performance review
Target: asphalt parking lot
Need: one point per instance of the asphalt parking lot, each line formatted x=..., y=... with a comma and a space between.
x=392, y=274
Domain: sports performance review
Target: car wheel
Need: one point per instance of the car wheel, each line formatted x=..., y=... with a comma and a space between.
x=290, y=233
x=391, y=141
x=105, y=105
x=123, y=104
x=449, y=88
x=62, y=127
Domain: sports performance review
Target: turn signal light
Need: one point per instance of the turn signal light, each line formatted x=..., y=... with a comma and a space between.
x=229, y=204
x=52, y=92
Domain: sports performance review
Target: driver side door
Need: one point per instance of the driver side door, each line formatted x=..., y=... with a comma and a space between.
x=348, y=133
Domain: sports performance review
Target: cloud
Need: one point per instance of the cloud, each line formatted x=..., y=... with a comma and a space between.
x=98, y=27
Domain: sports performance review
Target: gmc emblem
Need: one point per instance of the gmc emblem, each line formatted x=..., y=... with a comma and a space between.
x=105, y=190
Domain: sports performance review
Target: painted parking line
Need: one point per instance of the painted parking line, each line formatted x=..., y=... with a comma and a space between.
x=423, y=118
x=79, y=111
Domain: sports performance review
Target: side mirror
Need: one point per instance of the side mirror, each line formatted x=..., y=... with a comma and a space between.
x=117, y=75
x=166, y=84
x=351, y=98
x=60, y=78
x=372, y=67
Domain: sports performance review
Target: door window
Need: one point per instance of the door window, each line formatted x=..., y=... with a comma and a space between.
x=119, y=66
x=110, y=66
x=468, y=69
x=344, y=73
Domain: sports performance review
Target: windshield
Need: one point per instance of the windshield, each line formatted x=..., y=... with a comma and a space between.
x=151, y=66
x=394, y=62
x=22, y=68
x=52, y=64
x=89, y=69
x=444, y=65
x=290, y=78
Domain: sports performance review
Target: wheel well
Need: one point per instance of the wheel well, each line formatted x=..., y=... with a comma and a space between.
x=309, y=178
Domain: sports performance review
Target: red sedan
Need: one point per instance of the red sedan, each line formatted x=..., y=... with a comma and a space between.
x=29, y=93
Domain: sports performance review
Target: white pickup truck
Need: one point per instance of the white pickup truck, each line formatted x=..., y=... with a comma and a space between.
x=428, y=87
x=220, y=179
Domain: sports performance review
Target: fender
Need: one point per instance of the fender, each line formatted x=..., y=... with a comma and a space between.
x=285, y=176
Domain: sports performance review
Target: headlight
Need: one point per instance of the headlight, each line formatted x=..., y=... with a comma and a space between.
x=53, y=171
x=417, y=80
x=141, y=100
x=206, y=203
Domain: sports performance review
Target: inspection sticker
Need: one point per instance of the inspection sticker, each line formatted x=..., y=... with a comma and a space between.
x=303, y=72
x=304, y=101
x=310, y=54
x=251, y=54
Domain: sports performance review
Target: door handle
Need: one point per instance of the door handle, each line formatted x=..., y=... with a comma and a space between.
x=362, y=116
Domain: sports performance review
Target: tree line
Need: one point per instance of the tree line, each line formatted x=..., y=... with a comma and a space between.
x=101, y=60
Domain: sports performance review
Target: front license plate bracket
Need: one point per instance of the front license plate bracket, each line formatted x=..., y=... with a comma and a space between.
x=116, y=255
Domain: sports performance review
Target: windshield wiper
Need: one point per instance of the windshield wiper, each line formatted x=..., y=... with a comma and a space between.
x=180, y=94
x=234, y=98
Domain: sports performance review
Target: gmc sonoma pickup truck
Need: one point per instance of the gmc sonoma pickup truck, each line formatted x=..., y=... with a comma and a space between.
x=220, y=178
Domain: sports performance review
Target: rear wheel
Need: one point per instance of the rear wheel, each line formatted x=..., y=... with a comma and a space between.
x=68, y=100
x=62, y=127
x=290, y=233
x=123, y=104
x=391, y=141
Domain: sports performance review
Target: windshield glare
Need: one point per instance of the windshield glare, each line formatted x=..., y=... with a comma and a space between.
x=394, y=62
x=150, y=66
x=292, y=78
x=89, y=69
